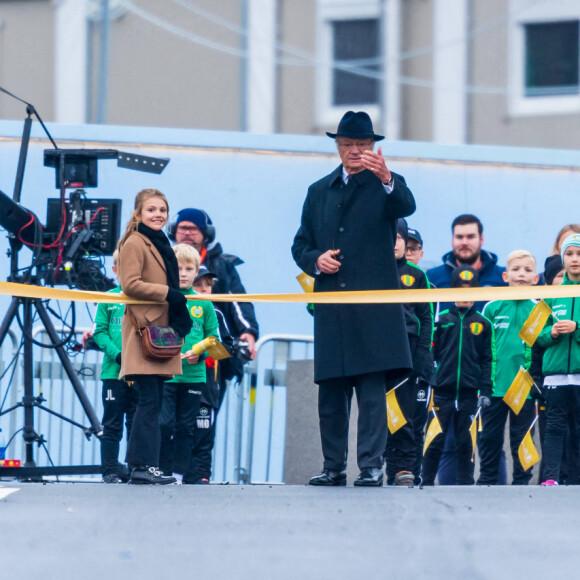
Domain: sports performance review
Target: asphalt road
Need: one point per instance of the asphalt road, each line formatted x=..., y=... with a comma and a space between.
x=94, y=531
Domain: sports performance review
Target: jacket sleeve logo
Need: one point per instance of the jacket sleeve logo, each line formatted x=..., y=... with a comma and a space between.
x=408, y=280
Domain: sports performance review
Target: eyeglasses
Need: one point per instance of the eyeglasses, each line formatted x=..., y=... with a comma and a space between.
x=358, y=145
x=188, y=229
x=414, y=250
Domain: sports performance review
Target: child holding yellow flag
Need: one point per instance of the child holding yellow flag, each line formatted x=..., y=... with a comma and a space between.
x=561, y=365
x=182, y=394
x=507, y=317
x=462, y=348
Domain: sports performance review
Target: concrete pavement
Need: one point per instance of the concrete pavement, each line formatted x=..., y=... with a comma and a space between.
x=94, y=531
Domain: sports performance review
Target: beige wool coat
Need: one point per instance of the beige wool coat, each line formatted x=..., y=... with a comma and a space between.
x=142, y=274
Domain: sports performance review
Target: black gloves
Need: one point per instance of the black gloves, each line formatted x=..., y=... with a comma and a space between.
x=118, y=359
x=483, y=402
x=176, y=298
x=179, y=318
x=241, y=350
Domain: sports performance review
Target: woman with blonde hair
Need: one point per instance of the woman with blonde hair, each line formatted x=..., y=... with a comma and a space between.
x=148, y=271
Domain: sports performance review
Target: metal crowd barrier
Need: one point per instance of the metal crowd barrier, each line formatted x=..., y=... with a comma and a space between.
x=250, y=427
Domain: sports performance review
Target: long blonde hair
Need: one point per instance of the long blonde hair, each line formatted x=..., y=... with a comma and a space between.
x=135, y=218
x=567, y=228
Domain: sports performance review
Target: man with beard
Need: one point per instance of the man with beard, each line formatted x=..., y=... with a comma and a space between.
x=466, y=243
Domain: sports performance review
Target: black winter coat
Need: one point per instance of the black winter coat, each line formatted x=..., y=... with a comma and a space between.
x=240, y=316
x=360, y=219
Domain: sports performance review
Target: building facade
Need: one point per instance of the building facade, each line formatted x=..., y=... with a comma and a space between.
x=497, y=72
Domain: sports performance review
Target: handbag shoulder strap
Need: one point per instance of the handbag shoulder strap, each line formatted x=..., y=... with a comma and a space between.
x=133, y=318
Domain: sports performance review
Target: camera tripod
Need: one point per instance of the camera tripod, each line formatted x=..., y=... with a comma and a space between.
x=29, y=401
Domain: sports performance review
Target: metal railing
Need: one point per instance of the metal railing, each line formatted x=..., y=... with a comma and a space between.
x=251, y=425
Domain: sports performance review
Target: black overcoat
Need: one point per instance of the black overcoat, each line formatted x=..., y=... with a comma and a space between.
x=360, y=220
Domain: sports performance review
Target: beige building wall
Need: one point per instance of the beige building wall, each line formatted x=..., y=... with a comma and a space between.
x=416, y=101
x=27, y=57
x=295, y=84
x=157, y=78
x=491, y=122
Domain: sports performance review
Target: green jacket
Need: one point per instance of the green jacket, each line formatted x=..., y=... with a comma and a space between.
x=511, y=352
x=562, y=355
x=205, y=324
x=107, y=335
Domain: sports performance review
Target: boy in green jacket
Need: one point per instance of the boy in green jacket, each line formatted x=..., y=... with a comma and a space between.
x=119, y=400
x=507, y=317
x=561, y=364
x=182, y=394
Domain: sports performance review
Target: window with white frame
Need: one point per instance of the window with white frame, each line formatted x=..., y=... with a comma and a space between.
x=544, y=73
x=349, y=58
x=355, y=43
x=551, y=58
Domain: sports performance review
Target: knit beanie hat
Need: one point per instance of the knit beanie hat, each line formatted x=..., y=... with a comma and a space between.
x=196, y=216
x=402, y=229
x=552, y=266
x=571, y=240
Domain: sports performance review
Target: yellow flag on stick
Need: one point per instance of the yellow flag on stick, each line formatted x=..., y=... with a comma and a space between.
x=306, y=281
x=519, y=390
x=527, y=451
x=535, y=322
x=432, y=432
x=213, y=347
x=473, y=432
x=431, y=401
x=395, y=416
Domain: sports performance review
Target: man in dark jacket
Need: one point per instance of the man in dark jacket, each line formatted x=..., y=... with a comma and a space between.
x=346, y=241
x=467, y=249
x=194, y=227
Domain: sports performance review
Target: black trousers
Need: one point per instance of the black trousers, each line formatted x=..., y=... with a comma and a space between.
x=334, y=399
x=490, y=441
x=461, y=414
x=119, y=404
x=423, y=393
x=178, y=416
x=203, y=442
x=143, y=446
x=563, y=408
x=400, y=452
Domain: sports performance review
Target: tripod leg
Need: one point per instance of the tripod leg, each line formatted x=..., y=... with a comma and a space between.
x=29, y=434
x=96, y=426
x=8, y=318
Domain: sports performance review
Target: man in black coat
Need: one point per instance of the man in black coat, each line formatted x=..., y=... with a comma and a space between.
x=346, y=241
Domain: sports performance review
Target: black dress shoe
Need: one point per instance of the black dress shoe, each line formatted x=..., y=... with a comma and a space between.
x=149, y=475
x=370, y=477
x=329, y=478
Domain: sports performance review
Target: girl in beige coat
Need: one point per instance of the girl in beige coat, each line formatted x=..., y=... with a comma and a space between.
x=148, y=271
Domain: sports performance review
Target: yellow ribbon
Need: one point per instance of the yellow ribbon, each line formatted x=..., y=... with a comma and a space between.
x=484, y=294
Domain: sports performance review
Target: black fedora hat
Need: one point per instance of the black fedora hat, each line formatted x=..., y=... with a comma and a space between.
x=356, y=126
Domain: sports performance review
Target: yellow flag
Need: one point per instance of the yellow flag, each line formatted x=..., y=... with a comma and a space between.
x=527, y=451
x=473, y=432
x=431, y=402
x=306, y=281
x=519, y=390
x=432, y=432
x=535, y=322
x=395, y=416
x=213, y=347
